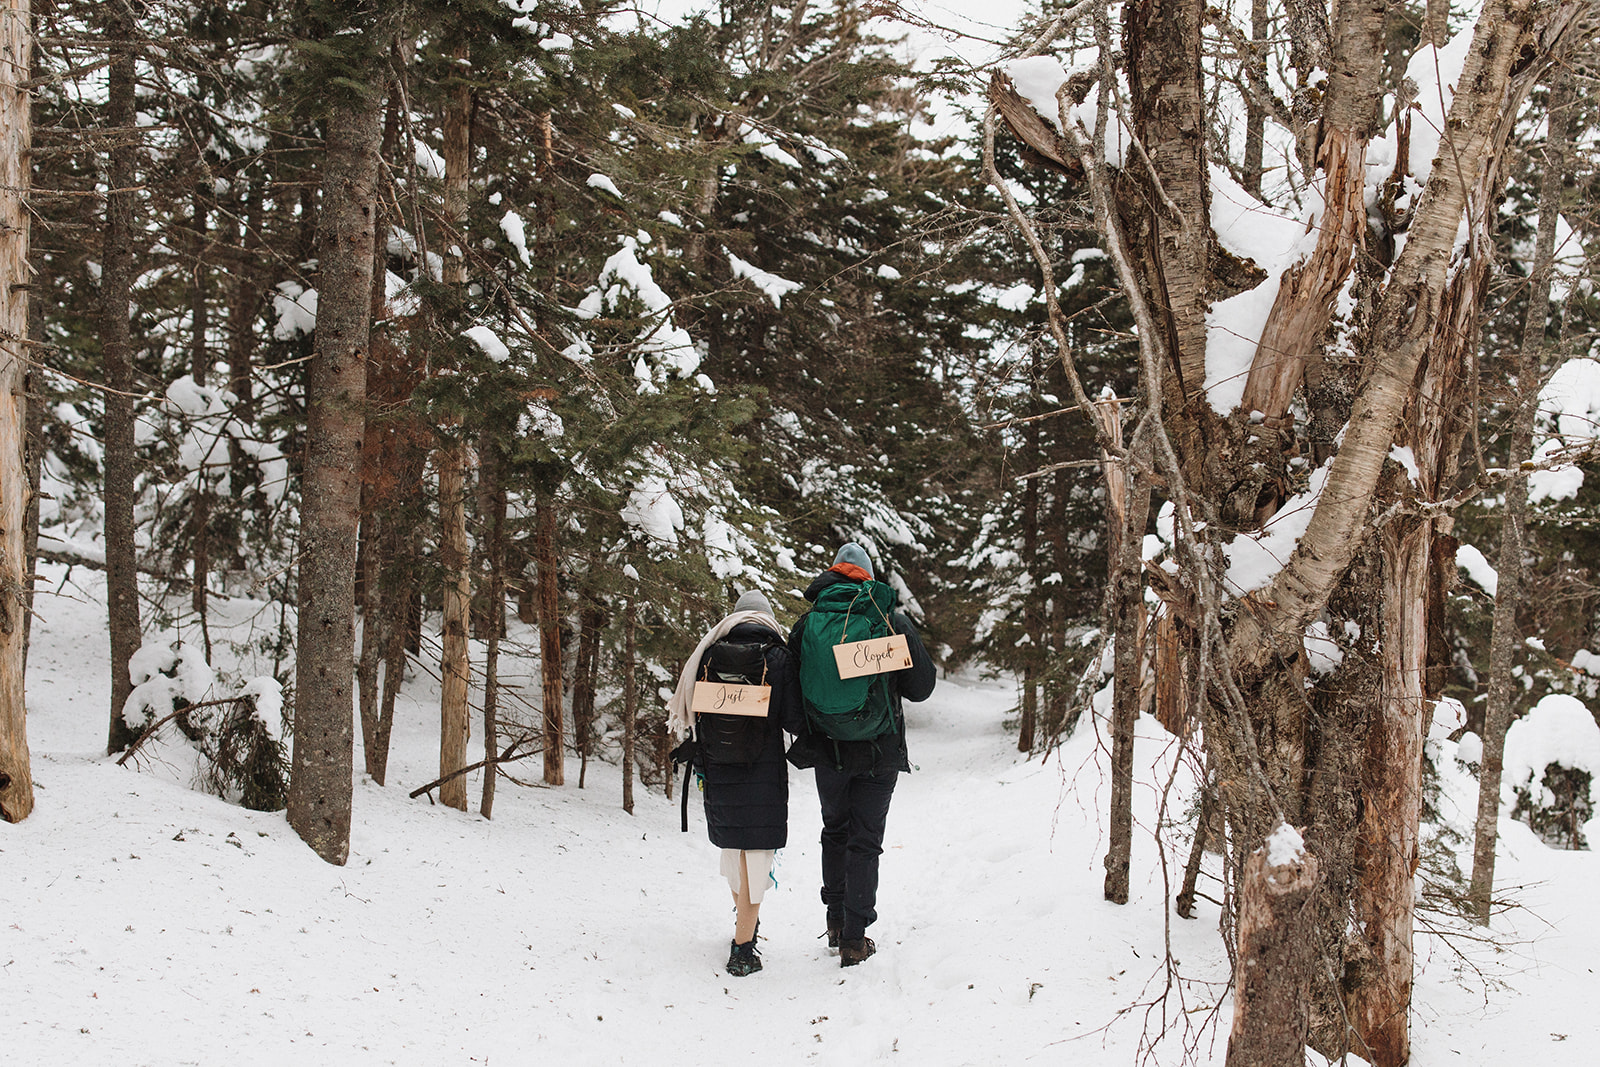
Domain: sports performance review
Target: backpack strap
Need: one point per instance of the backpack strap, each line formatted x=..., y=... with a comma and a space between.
x=686, y=753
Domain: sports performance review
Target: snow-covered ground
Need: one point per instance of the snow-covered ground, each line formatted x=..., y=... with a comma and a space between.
x=142, y=922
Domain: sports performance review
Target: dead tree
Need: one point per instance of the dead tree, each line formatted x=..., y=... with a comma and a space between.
x=16, y=773
x=1279, y=750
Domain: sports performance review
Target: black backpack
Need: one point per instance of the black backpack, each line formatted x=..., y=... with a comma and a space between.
x=734, y=738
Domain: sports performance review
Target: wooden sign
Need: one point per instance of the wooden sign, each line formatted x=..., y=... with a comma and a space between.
x=877, y=656
x=725, y=698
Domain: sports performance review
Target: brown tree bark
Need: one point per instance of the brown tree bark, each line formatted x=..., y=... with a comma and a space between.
x=1169, y=202
x=1057, y=693
x=546, y=518
x=1183, y=903
x=1297, y=327
x=320, y=776
x=454, y=556
x=586, y=678
x=1508, y=594
x=16, y=137
x=630, y=704
x=199, y=364
x=454, y=666
x=116, y=347
x=1270, y=1017
x=1418, y=557
x=1032, y=628
x=378, y=583
x=1255, y=122
x=1436, y=23
x=243, y=307
x=1127, y=606
x=33, y=457
x=492, y=468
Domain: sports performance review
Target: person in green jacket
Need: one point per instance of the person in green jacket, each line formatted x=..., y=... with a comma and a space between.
x=853, y=733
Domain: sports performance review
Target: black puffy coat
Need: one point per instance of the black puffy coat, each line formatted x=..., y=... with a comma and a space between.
x=747, y=804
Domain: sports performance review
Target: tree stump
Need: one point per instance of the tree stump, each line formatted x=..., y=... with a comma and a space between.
x=1271, y=1013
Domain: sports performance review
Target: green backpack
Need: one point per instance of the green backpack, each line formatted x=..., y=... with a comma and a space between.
x=845, y=709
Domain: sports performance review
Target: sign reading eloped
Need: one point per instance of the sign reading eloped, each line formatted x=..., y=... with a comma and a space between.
x=726, y=698
x=876, y=656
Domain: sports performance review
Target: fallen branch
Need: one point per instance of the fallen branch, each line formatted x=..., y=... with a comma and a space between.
x=72, y=559
x=504, y=757
x=150, y=731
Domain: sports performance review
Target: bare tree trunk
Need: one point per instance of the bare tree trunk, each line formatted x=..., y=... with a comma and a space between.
x=1508, y=593
x=545, y=522
x=630, y=706
x=492, y=466
x=374, y=583
x=245, y=303
x=32, y=379
x=586, y=677
x=33, y=453
x=1255, y=123
x=320, y=779
x=1436, y=24
x=1127, y=606
x=1391, y=790
x=1057, y=691
x=397, y=609
x=369, y=598
x=116, y=346
x=454, y=556
x=1271, y=1014
x=1027, y=727
x=199, y=364
x=454, y=667
x=16, y=137
x=1163, y=62
x=1184, y=902
x=395, y=453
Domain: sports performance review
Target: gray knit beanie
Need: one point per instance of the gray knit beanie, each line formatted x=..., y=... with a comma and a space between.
x=753, y=601
x=852, y=553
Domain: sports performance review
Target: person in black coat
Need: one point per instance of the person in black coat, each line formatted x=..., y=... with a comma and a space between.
x=741, y=765
x=856, y=779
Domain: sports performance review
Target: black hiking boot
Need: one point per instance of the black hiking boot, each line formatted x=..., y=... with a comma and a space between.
x=833, y=935
x=743, y=959
x=853, y=951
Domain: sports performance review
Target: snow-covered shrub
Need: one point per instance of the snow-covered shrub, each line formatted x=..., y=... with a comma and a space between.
x=1552, y=757
x=1558, y=807
x=247, y=761
x=167, y=676
x=236, y=741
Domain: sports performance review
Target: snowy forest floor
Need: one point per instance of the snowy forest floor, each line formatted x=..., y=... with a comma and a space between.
x=142, y=922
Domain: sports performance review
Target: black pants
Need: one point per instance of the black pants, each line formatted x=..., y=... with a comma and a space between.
x=855, y=810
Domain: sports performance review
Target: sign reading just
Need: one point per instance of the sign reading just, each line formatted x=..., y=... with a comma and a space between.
x=725, y=698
